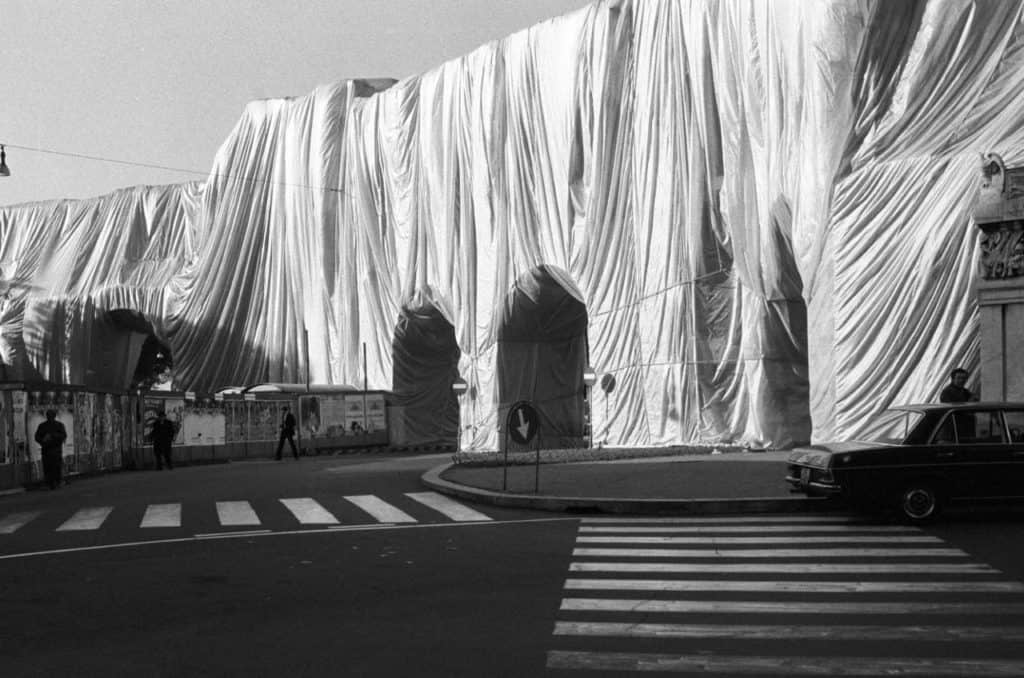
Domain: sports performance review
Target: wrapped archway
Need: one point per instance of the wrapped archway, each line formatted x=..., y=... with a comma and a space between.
x=543, y=353
x=126, y=352
x=425, y=359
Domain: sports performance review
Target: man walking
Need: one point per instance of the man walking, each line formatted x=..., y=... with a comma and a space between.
x=162, y=436
x=287, y=433
x=51, y=435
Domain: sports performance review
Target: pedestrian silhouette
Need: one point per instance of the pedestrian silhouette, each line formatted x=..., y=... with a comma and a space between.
x=955, y=391
x=51, y=435
x=287, y=433
x=162, y=435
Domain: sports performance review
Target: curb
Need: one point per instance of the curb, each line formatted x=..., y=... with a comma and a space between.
x=433, y=480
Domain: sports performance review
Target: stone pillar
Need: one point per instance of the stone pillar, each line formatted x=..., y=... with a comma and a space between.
x=1000, y=216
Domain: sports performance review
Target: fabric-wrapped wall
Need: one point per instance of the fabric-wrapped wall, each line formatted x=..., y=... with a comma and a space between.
x=765, y=208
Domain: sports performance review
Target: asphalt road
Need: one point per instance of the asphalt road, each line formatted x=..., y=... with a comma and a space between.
x=497, y=593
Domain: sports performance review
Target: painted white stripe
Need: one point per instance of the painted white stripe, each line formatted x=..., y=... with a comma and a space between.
x=309, y=512
x=304, y=532
x=86, y=519
x=787, y=607
x=790, y=568
x=236, y=513
x=772, y=553
x=380, y=510
x=228, y=535
x=162, y=515
x=791, y=539
x=705, y=664
x=446, y=506
x=720, y=520
x=792, y=631
x=774, y=586
x=788, y=529
x=16, y=520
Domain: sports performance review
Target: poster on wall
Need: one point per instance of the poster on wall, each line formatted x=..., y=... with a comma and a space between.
x=84, y=407
x=332, y=414
x=372, y=419
x=204, y=424
x=113, y=430
x=234, y=421
x=265, y=419
x=322, y=416
x=19, y=403
x=5, y=438
x=355, y=423
x=376, y=412
x=100, y=426
x=310, y=425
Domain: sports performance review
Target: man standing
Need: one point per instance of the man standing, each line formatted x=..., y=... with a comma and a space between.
x=956, y=392
x=162, y=435
x=51, y=435
x=287, y=433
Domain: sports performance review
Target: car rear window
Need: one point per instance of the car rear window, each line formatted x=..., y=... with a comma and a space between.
x=891, y=426
x=1015, y=422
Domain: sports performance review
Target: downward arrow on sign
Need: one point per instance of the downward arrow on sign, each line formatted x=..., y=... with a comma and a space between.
x=523, y=427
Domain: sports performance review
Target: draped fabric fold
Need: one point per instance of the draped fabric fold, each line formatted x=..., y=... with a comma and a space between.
x=762, y=209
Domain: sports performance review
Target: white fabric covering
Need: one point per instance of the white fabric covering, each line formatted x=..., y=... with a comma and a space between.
x=765, y=207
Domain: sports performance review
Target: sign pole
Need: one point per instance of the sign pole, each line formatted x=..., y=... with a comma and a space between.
x=366, y=386
x=522, y=425
x=536, y=467
x=504, y=478
x=305, y=343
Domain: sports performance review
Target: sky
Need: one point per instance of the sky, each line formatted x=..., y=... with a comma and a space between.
x=161, y=83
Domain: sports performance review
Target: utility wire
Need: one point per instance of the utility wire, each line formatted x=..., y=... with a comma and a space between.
x=102, y=159
x=169, y=169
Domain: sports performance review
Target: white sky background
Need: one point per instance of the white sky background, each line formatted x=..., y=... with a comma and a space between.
x=163, y=82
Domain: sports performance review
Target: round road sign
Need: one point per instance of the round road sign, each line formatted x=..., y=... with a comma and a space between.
x=522, y=423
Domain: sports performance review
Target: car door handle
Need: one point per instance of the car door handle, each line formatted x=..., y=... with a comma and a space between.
x=945, y=455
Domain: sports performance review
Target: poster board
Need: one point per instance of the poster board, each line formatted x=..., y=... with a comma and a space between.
x=373, y=420
x=309, y=422
x=6, y=439
x=205, y=424
x=19, y=403
x=235, y=414
x=265, y=419
x=322, y=416
x=354, y=419
x=377, y=412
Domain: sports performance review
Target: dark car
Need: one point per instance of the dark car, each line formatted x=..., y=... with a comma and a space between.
x=918, y=458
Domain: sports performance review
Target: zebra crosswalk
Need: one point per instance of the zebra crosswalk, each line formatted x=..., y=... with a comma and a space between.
x=793, y=596
x=303, y=511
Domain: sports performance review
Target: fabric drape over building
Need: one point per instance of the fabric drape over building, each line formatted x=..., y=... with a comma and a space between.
x=765, y=207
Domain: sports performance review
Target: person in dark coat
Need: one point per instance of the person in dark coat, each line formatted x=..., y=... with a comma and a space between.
x=163, y=434
x=956, y=392
x=287, y=433
x=51, y=435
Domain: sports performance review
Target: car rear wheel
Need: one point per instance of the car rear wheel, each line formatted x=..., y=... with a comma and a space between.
x=920, y=502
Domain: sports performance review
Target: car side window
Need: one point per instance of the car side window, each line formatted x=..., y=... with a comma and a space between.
x=946, y=434
x=980, y=427
x=1015, y=422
